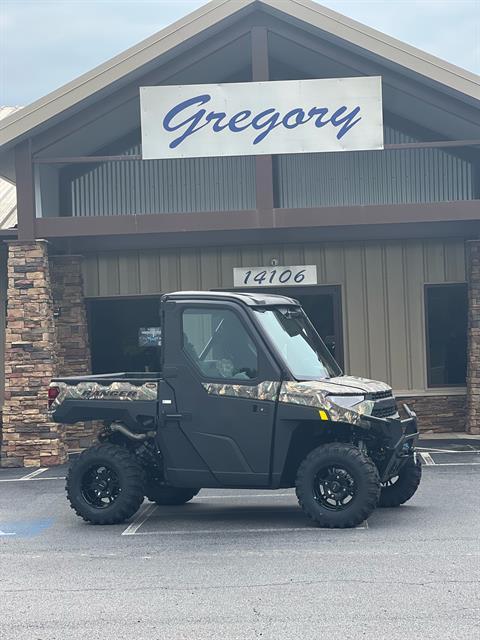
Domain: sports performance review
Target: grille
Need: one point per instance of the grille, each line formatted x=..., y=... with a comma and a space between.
x=379, y=395
x=384, y=412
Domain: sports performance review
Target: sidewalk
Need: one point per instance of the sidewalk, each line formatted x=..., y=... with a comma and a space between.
x=449, y=436
x=457, y=442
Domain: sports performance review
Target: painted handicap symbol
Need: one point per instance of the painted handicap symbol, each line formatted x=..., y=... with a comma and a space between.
x=25, y=529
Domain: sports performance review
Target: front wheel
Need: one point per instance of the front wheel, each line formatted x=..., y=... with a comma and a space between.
x=337, y=486
x=401, y=488
x=105, y=485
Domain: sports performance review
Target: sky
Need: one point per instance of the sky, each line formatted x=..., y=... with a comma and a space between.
x=46, y=43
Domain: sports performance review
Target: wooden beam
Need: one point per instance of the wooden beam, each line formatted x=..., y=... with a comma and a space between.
x=73, y=226
x=263, y=164
x=24, y=183
x=442, y=144
x=357, y=216
x=260, y=67
x=259, y=237
x=87, y=159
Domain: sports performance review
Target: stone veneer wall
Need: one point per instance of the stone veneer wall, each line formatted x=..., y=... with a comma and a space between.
x=73, y=347
x=473, y=355
x=28, y=438
x=437, y=413
x=70, y=315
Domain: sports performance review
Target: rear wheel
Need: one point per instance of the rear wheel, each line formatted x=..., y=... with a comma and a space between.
x=337, y=486
x=401, y=488
x=105, y=485
x=164, y=495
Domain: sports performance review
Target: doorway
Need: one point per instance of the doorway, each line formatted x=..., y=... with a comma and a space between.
x=123, y=334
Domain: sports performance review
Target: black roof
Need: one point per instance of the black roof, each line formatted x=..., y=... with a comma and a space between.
x=245, y=297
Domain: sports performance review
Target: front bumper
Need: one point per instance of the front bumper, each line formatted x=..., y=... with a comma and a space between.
x=398, y=438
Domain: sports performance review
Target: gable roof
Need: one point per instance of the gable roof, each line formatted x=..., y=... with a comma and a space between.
x=123, y=66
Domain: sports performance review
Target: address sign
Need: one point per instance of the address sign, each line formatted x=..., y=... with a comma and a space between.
x=275, y=276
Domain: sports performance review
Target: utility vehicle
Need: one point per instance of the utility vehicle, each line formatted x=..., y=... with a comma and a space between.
x=247, y=396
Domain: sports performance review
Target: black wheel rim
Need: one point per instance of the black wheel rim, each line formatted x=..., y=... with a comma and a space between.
x=100, y=486
x=334, y=488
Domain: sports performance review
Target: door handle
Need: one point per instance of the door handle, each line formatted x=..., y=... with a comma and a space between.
x=176, y=416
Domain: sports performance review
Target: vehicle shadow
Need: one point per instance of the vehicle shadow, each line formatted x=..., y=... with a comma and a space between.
x=209, y=515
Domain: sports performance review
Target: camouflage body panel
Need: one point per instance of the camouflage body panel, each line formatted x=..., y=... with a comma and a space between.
x=312, y=393
x=267, y=390
x=96, y=391
x=352, y=384
x=315, y=394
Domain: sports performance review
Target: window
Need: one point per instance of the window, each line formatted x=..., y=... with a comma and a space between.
x=446, y=318
x=114, y=333
x=305, y=354
x=218, y=344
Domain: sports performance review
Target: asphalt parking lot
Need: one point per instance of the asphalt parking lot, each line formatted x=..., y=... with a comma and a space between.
x=235, y=564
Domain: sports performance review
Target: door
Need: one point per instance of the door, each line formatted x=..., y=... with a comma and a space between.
x=225, y=385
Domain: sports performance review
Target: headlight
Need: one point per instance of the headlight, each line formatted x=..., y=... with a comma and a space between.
x=347, y=402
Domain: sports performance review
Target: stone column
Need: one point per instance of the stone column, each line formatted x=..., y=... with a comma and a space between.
x=72, y=335
x=29, y=439
x=70, y=315
x=473, y=337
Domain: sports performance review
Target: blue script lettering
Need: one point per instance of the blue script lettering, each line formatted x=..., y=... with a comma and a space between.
x=299, y=117
x=320, y=112
x=239, y=117
x=336, y=120
x=270, y=117
x=189, y=116
x=191, y=122
x=217, y=127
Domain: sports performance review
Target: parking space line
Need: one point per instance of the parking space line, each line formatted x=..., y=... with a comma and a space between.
x=142, y=516
x=24, y=479
x=455, y=464
x=37, y=472
x=245, y=495
x=181, y=532
x=427, y=458
x=422, y=449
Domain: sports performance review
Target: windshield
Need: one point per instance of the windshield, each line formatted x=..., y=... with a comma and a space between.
x=298, y=343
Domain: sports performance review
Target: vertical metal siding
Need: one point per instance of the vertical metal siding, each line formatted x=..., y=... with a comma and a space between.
x=382, y=289
x=164, y=186
x=373, y=177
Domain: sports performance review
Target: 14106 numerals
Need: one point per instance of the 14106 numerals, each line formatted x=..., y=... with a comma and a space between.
x=270, y=277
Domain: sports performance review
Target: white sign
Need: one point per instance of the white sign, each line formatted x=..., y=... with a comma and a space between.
x=254, y=118
x=274, y=276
